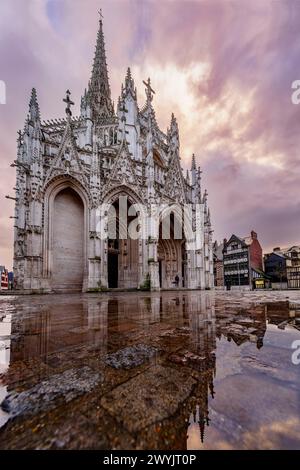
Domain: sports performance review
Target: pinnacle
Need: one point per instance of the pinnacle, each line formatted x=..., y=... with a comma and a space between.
x=34, y=110
x=173, y=121
x=193, y=162
x=33, y=94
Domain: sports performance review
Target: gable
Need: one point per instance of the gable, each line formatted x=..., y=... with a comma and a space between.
x=67, y=160
x=123, y=170
x=235, y=240
x=174, y=184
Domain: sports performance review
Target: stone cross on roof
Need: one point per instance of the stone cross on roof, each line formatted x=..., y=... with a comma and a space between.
x=149, y=91
x=69, y=103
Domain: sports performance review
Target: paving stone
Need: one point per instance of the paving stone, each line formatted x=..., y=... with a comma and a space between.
x=130, y=357
x=69, y=385
x=152, y=396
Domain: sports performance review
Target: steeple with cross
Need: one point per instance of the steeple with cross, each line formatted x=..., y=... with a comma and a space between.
x=99, y=94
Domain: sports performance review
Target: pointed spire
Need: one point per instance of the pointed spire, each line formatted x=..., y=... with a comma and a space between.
x=187, y=177
x=205, y=201
x=128, y=74
x=174, y=125
x=99, y=90
x=193, y=162
x=202, y=426
x=173, y=135
x=34, y=110
x=129, y=85
x=194, y=175
x=119, y=106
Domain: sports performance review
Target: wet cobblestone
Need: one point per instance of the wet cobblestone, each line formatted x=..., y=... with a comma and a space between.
x=67, y=386
x=131, y=356
x=171, y=370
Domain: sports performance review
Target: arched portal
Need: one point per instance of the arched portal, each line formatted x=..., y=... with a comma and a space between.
x=67, y=241
x=123, y=251
x=171, y=254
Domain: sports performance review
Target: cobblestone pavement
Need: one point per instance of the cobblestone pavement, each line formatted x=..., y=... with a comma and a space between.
x=170, y=370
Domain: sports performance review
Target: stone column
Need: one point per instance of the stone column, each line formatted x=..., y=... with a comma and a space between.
x=104, y=256
x=141, y=264
x=153, y=263
x=154, y=275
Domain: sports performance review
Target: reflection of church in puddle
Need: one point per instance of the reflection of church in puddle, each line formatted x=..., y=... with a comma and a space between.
x=51, y=338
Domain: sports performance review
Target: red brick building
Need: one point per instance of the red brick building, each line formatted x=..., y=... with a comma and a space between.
x=218, y=264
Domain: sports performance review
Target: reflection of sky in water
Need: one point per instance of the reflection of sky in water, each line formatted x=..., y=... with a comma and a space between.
x=270, y=367
x=280, y=338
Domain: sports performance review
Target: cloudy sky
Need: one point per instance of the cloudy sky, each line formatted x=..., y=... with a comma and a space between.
x=225, y=68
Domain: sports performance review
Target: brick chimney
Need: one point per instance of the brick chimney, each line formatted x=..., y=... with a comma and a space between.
x=253, y=235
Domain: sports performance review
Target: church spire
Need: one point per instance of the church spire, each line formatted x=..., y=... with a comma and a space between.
x=99, y=95
x=34, y=110
x=32, y=124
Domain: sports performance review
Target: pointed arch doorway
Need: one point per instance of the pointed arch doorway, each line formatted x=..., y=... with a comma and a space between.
x=171, y=255
x=113, y=264
x=67, y=241
x=122, y=253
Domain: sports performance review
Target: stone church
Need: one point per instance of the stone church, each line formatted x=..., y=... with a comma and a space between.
x=66, y=169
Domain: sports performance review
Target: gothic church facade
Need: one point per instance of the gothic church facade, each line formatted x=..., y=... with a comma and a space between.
x=67, y=168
